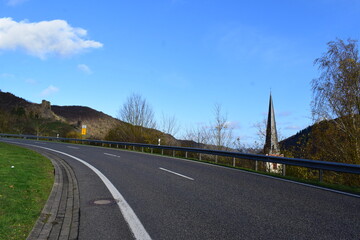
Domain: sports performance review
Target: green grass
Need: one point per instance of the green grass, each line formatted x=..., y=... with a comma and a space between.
x=24, y=189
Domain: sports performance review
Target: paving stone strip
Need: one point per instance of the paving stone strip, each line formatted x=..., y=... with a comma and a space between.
x=59, y=218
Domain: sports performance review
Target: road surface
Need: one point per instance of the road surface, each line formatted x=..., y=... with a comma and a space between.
x=165, y=198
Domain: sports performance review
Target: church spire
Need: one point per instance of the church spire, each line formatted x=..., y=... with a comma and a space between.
x=271, y=143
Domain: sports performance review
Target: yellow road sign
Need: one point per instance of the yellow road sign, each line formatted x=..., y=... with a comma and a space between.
x=83, y=130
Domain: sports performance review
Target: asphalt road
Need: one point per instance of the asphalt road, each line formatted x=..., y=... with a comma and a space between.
x=180, y=199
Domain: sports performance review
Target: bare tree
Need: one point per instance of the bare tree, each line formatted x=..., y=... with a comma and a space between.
x=254, y=148
x=261, y=133
x=221, y=130
x=218, y=134
x=169, y=125
x=336, y=97
x=137, y=112
x=238, y=145
x=201, y=135
x=39, y=127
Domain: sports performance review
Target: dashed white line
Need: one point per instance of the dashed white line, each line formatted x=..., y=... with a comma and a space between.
x=72, y=147
x=178, y=174
x=111, y=155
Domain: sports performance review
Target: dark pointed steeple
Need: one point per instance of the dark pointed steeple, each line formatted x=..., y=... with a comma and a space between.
x=271, y=143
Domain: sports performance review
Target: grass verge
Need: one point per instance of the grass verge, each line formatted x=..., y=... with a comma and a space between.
x=24, y=189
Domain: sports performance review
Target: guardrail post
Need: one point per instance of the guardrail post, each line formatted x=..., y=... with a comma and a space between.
x=321, y=172
x=284, y=170
x=142, y=149
x=320, y=166
x=216, y=158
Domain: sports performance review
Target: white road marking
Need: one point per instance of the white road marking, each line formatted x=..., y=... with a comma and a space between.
x=252, y=173
x=132, y=220
x=112, y=155
x=268, y=176
x=72, y=147
x=178, y=174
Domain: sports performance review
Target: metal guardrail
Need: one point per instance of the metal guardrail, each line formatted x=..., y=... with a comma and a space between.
x=313, y=164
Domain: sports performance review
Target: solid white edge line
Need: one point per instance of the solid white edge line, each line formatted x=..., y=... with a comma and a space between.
x=132, y=220
x=178, y=174
x=259, y=174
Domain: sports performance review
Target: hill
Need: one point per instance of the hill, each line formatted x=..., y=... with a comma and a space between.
x=18, y=115
x=97, y=123
x=20, y=107
x=332, y=140
x=294, y=144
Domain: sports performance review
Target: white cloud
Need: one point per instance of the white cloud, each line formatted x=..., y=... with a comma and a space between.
x=7, y=75
x=293, y=127
x=31, y=81
x=15, y=2
x=233, y=124
x=49, y=90
x=246, y=43
x=84, y=68
x=45, y=38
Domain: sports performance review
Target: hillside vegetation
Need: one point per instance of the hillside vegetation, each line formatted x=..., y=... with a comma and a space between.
x=322, y=141
x=23, y=117
x=20, y=116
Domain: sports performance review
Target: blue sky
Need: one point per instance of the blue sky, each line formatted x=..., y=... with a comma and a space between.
x=183, y=56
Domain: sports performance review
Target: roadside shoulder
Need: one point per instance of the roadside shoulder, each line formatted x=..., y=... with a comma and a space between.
x=60, y=215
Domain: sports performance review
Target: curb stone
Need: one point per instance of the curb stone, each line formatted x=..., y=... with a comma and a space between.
x=59, y=218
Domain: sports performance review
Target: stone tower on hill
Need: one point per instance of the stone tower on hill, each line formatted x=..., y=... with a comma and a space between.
x=271, y=143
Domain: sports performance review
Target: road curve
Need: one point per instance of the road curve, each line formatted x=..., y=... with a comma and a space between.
x=180, y=199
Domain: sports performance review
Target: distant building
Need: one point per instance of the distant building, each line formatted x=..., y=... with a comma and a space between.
x=271, y=146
